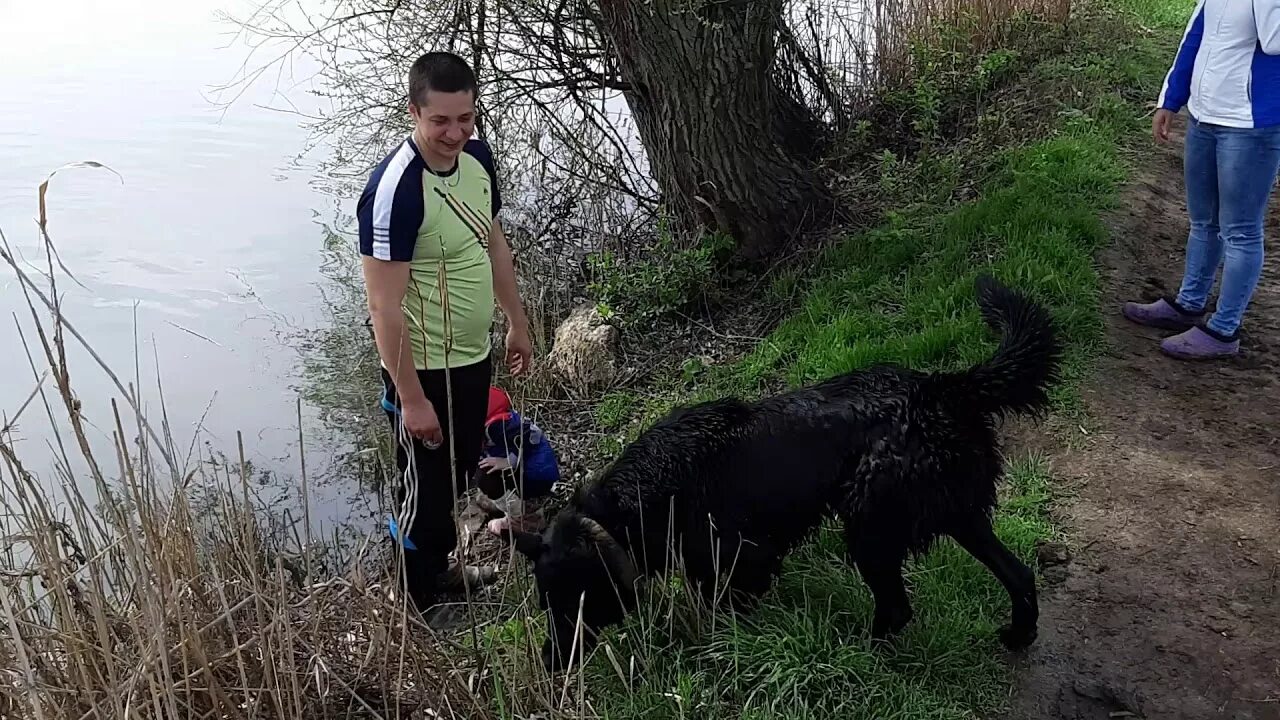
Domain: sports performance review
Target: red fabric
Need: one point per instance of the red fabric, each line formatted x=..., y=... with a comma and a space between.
x=499, y=406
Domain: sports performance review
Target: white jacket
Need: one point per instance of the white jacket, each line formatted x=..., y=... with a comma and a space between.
x=1227, y=70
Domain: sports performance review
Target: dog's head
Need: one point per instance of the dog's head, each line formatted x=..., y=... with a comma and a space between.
x=578, y=569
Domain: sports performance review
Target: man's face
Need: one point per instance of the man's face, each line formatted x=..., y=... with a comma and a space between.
x=444, y=122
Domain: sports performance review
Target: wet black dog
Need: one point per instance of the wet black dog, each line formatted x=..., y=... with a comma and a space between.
x=901, y=457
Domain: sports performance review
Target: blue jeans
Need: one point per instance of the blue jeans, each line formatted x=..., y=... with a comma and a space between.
x=1230, y=173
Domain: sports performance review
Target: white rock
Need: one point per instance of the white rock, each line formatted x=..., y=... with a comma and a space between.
x=584, y=352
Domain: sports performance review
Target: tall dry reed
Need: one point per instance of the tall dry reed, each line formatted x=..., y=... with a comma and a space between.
x=141, y=589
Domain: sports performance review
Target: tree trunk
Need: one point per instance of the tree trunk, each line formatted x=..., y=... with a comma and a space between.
x=719, y=135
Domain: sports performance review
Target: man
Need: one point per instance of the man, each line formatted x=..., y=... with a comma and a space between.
x=435, y=258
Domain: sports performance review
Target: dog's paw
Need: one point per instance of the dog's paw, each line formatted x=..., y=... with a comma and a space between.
x=1017, y=638
x=887, y=624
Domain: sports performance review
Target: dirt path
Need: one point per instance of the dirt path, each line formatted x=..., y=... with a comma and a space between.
x=1170, y=607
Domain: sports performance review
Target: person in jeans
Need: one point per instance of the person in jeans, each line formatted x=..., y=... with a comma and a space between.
x=435, y=260
x=1227, y=74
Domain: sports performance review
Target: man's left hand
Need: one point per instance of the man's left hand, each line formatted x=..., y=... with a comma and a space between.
x=519, y=350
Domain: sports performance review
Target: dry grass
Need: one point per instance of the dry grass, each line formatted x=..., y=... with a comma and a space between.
x=166, y=591
x=153, y=615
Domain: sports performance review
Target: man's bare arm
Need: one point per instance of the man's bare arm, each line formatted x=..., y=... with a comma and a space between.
x=519, y=345
x=386, y=283
x=504, y=277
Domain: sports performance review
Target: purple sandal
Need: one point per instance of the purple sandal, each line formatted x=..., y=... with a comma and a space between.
x=1165, y=314
x=1200, y=344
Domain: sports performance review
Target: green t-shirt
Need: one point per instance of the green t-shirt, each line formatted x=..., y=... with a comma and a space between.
x=439, y=223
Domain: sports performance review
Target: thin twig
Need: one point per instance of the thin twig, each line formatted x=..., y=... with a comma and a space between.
x=35, y=391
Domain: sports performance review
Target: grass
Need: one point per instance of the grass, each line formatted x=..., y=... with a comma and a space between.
x=806, y=652
x=168, y=595
x=903, y=293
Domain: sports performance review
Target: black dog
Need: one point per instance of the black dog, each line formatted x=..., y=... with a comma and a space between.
x=900, y=456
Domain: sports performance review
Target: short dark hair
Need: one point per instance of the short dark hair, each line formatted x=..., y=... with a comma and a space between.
x=441, y=71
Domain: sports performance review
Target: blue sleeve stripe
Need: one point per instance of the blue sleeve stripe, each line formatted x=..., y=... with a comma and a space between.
x=364, y=210
x=1177, y=84
x=394, y=207
x=1264, y=78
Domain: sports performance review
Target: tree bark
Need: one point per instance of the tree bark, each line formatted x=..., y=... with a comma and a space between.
x=726, y=146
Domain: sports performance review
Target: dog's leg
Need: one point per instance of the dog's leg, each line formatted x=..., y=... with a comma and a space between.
x=694, y=556
x=753, y=567
x=977, y=537
x=729, y=571
x=879, y=560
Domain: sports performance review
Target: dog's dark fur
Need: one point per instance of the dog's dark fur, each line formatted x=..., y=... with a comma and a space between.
x=902, y=457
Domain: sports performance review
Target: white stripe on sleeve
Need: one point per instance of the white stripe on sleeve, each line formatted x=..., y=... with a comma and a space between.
x=384, y=200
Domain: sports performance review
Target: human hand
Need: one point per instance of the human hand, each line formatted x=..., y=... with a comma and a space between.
x=420, y=421
x=519, y=349
x=491, y=464
x=1161, y=124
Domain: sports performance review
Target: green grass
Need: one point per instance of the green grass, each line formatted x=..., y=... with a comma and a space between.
x=903, y=293
x=806, y=653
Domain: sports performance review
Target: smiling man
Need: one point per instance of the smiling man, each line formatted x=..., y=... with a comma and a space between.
x=435, y=259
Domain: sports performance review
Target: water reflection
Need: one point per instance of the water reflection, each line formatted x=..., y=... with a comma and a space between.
x=198, y=266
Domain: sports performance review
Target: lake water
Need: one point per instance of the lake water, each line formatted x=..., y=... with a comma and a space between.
x=212, y=242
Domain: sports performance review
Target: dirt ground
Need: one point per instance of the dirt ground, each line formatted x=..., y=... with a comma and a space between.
x=1169, y=606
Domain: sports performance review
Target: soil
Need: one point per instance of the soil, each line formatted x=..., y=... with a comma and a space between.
x=1168, y=602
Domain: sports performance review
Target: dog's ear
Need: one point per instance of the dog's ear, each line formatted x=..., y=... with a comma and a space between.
x=624, y=571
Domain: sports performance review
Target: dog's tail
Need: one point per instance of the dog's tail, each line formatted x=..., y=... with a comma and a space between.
x=1018, y=377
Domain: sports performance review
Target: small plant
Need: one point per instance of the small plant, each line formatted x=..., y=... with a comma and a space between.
x=926, y=106
x=890, y=172
x=994, y=68
x=615, y=410
x=692, y=369
x=664, y=281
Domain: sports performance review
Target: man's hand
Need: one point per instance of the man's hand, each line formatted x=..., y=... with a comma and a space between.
x=1161, y=124
x=420, y=421
x=519, y=350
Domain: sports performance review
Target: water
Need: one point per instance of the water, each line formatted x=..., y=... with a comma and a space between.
x=212, y=243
